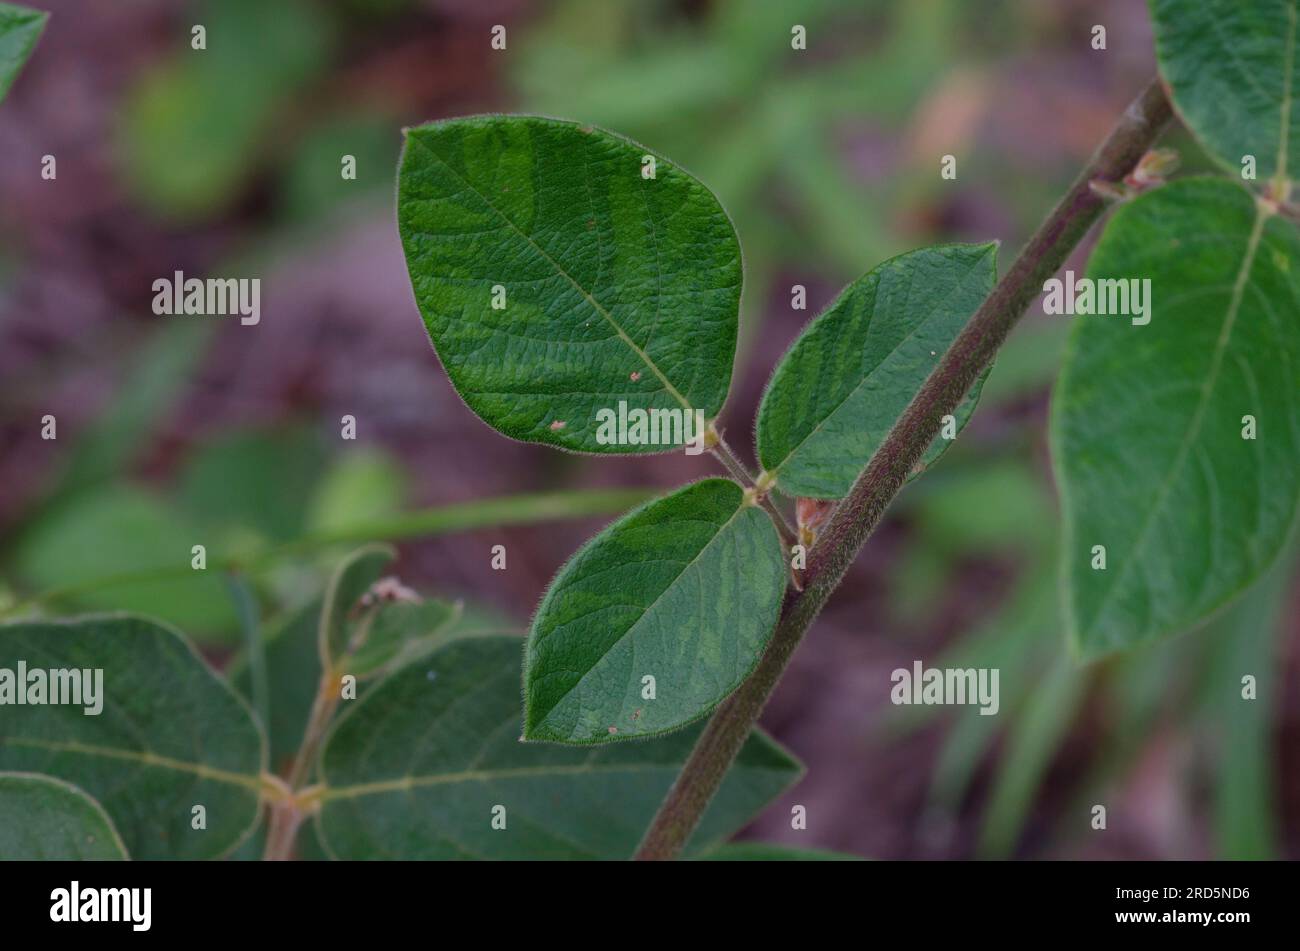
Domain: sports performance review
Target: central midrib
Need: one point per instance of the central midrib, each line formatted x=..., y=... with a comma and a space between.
x=623, y=335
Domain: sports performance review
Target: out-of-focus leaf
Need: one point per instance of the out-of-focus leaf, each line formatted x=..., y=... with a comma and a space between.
x=118, y=531
x=351, y=580
x=1231, y=70
x=253, y=480
x=400, y=632
x=1001, y=506
x=194, y=127
x=170, y=735
x=294, y=671
x=162, y=367
x=359, y=487
x=43, y=818
x=293, y=674
x=1148, y=420
x=1027, y=363
x=313, y=183
x=418, y=767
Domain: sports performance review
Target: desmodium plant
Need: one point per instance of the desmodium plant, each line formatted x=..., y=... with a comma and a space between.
x=583, y=291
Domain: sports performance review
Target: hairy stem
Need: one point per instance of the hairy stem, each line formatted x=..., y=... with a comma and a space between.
x=860, y=512
x=731, y=462
x=287, y=816
x=440, y=520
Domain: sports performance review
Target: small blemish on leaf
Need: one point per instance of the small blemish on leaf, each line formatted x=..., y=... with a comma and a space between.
x=613, y=730
x=634, y=375
x=558, y=425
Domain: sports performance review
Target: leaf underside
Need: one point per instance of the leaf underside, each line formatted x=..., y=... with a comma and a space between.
x=415, y=769
x=850, y=375
x=618, y=287
x=685, y=590
x=1148, y=421
x=171, y=734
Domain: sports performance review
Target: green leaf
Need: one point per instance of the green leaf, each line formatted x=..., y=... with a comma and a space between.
x=122, y=530
x=360, y=487
x=850, y=375
x=766, y=852
x=196, y=126
x=1147, y=421
x=293, y=668
x=253, y=480
x=399, y=632
x=170, y=734
x=293, y=673
x=414, y=769
x=366, y=632
x=351, y=580
x=42, y=818
x=685, y=590
x=1230, y=66
x=20, y=28
x=618, y=287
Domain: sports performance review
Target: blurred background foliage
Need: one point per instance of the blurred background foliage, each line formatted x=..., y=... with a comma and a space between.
x=174, y=432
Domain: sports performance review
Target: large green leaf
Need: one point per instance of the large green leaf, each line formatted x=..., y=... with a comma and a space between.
x=618, y=287
x=170, y=735
x=685, y=590
x=1231, y=70
x=20, y=28
x=45, y=818
x=1147, y=421
x=414, y=769
x=837, y=393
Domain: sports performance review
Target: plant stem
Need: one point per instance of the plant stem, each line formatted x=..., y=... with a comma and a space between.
x=731, y=462
x=287, y=816
x=439, y=520
x=861, y=511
